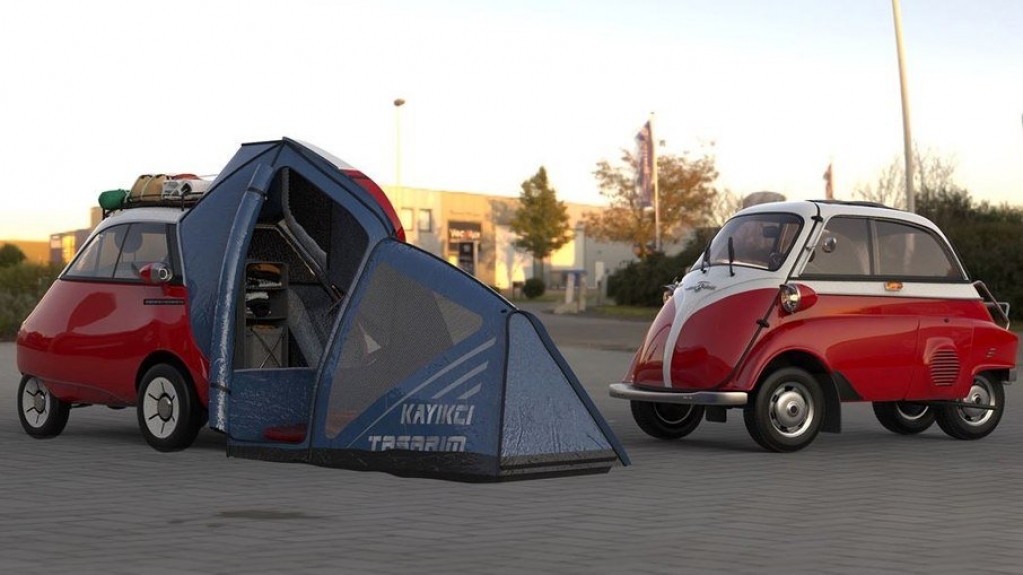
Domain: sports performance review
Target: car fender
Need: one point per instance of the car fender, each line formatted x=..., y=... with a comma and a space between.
x=770, y=353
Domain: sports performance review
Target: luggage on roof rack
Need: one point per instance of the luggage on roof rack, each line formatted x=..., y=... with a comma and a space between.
x=156, y=190
x=162, y=187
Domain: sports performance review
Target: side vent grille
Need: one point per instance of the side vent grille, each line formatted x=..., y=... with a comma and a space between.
x=944, y=366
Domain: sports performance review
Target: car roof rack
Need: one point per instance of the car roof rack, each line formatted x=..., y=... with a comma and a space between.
x=860, y=203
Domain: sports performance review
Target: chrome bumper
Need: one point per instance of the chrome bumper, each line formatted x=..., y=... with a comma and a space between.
x=632, y=393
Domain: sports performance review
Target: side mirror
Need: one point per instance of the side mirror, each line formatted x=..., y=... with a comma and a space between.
x=156, y=273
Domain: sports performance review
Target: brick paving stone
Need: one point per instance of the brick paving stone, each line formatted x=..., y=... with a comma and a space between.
x=97, y=499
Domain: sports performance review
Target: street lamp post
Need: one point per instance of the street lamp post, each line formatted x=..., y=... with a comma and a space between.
x=907, y=139
x=398, y=103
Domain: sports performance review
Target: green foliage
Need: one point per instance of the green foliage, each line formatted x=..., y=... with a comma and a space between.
x=533, y=288
x=10, y=255
x=686, y=198
x=541, y=220
x=642, y=283
x=21, y=287
x=985, y=237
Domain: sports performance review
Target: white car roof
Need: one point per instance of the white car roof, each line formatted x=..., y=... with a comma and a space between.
x=827, y=209
x=167, y=215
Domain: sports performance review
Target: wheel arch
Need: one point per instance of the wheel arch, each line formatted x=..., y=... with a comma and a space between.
x=815, y=367
x=163, y=356
x=998, y=374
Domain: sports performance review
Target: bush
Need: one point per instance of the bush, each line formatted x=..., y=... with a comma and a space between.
x=642, y=283
x=21, y=287
x=986, y=238
x=533, y=288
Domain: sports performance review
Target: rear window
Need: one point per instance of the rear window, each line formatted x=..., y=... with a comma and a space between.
x=761, y=241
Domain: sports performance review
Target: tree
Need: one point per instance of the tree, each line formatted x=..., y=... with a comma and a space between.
x=931, y=173
x=10, y=255
x=541, y=221
x=725, y=205
x=686, y=195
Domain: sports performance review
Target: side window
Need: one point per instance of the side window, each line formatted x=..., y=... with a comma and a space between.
x=843, y=249
x=910, y=251
x=98, y=258
x=145, y=243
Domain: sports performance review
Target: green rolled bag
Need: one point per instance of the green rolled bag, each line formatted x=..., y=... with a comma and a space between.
x=112, y=199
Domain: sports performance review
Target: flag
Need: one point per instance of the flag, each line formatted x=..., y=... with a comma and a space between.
x=829, y=190
x=645, y=165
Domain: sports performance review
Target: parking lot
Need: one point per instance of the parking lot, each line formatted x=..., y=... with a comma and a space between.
x=97, y=499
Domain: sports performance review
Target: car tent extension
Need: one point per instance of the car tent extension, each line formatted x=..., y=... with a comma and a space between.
x=397, y=361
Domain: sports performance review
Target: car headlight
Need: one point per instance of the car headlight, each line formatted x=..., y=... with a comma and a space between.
x=795, y=297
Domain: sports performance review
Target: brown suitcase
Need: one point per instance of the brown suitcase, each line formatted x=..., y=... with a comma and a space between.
x=147, y=188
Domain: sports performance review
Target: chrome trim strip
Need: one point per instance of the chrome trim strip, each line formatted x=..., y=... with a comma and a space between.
x=632, y=393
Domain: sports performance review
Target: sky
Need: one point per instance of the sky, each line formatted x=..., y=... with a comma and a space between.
x=95, y=93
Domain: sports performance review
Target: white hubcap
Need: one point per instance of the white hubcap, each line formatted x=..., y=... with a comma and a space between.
x=791, y=409
x=160, y=407
x=34, y=402
x=980, y=394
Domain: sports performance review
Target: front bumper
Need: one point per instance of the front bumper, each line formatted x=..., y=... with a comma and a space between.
x=723, y=398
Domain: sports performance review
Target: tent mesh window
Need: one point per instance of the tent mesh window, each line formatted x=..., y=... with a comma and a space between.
x=310, y=208
x=399, y=328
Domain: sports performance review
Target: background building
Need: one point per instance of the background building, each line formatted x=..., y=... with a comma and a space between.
x=473, y=231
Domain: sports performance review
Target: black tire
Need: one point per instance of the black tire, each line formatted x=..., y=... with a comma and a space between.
x=904, y=417
x=970, y=423
x=42, y=415
x=786, y=412
x=169, y=413
x=667, y=420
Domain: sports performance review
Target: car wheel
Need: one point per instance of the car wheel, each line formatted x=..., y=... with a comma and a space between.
x=168, y=410
x=904, y=417
x=42, y=415
x=786, y=412
x=963, y=422
x=667, y=420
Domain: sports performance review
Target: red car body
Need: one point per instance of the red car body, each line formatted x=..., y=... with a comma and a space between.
x=115, y=329
x=91, y=340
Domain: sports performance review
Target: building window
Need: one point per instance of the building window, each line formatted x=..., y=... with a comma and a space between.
x=425, y=220
x=407, y=217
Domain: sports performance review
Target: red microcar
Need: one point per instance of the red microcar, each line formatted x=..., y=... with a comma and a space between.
x=115, y=329
x=796, y=307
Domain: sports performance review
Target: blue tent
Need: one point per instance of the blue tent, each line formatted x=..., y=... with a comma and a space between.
x=332, y=341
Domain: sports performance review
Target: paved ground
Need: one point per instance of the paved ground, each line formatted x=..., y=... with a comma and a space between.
x=98, y=500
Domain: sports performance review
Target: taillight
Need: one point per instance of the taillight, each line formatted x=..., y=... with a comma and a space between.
x=796, y=297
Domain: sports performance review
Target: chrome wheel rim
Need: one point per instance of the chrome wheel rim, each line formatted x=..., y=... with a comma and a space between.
x=35, y=403
x=911, y=411
x=980, y=394
x=161, y=408
x=791, y=409
x=673, y=414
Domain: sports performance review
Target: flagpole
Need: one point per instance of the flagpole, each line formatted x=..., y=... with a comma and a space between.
x=653, y=175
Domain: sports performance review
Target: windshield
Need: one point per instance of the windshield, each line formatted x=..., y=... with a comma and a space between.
x=761, y=241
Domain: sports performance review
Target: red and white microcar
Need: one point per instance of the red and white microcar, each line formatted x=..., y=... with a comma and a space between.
x=795, y=307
